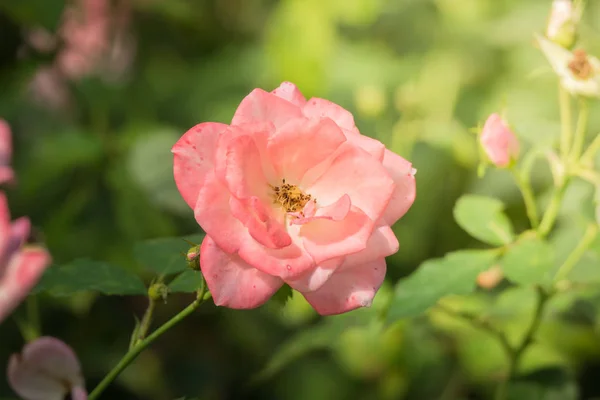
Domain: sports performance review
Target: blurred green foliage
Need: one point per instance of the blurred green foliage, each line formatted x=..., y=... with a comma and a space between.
x=95, y=178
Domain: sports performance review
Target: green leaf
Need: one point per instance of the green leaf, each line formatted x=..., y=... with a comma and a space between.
x=88, y=275
x=529, y=261
x=187, y=282
x=164, y=255
x=454, y=274
x=482, y=218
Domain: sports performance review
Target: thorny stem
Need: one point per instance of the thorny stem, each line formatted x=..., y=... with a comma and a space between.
x=143, y=344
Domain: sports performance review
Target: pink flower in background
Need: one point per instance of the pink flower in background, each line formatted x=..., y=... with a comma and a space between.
x=20, y=266
x=6, y=172
x=95, y=41
x=499, y=142
x=47, y=369
x=291, y=192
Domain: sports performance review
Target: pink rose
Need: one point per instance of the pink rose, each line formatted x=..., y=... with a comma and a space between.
x=6, y=172
x=20, y=266
x=47, y=369
x=499, y=142
x=291, y=192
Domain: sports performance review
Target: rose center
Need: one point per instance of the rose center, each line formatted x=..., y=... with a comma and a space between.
x=580, y=65
x=290, y=197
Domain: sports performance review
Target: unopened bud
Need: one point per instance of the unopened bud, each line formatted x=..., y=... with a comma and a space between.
x=193, y=258
x=158, y=291
x=562, y=23
x=499, y=142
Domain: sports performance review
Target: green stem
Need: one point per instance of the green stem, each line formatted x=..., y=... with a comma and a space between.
x=524, y=185
x=588, y=156
x=582, y=122
x=578, y=252
x=146, y=320
x=517, y=352
x=33, y=317
x=565, y=121
x=142, y=344
x=552, y=210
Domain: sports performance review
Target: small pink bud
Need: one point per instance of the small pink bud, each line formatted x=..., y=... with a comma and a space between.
x=193, y=258
x=499, y=142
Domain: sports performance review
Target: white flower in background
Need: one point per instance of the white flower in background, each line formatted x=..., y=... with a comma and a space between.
x=563, y=21
x=579, y=72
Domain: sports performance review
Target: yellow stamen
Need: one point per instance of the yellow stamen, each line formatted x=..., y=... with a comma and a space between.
x=290, y=197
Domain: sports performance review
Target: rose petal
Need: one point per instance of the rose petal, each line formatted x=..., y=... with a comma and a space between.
x=239, y=166
x=381, y=244
x=374, y=147
x=47, y=369
x=292, y=149
x=355, y=173
x=288, y=262
x=348, y=289
x=79, y=393
x=6, y=175
x=231, y=281
x=405, y=188
x=263, y=225
x=19, y=232
x=5, y=143
x=315, y=278
x=22, y=273
x=290, y=92
x=213, y=213
x=325, y=239
x=261, y=106
x=321, y=108
x=194, y=157
x=336, y=211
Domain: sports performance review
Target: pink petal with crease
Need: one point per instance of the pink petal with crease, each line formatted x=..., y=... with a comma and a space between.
x=288, y=91
x=194, y=158
x=348, y=289
x=232, y=282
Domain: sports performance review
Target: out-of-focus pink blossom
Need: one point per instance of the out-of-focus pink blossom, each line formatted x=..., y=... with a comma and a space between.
x=46, y=369
x=48, y=87
x=6, y=172
x=291, y=192
x=20, y=265
x=499, y=142
x=95, y=41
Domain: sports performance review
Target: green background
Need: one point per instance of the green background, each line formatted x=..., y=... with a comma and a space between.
x=96, y=178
